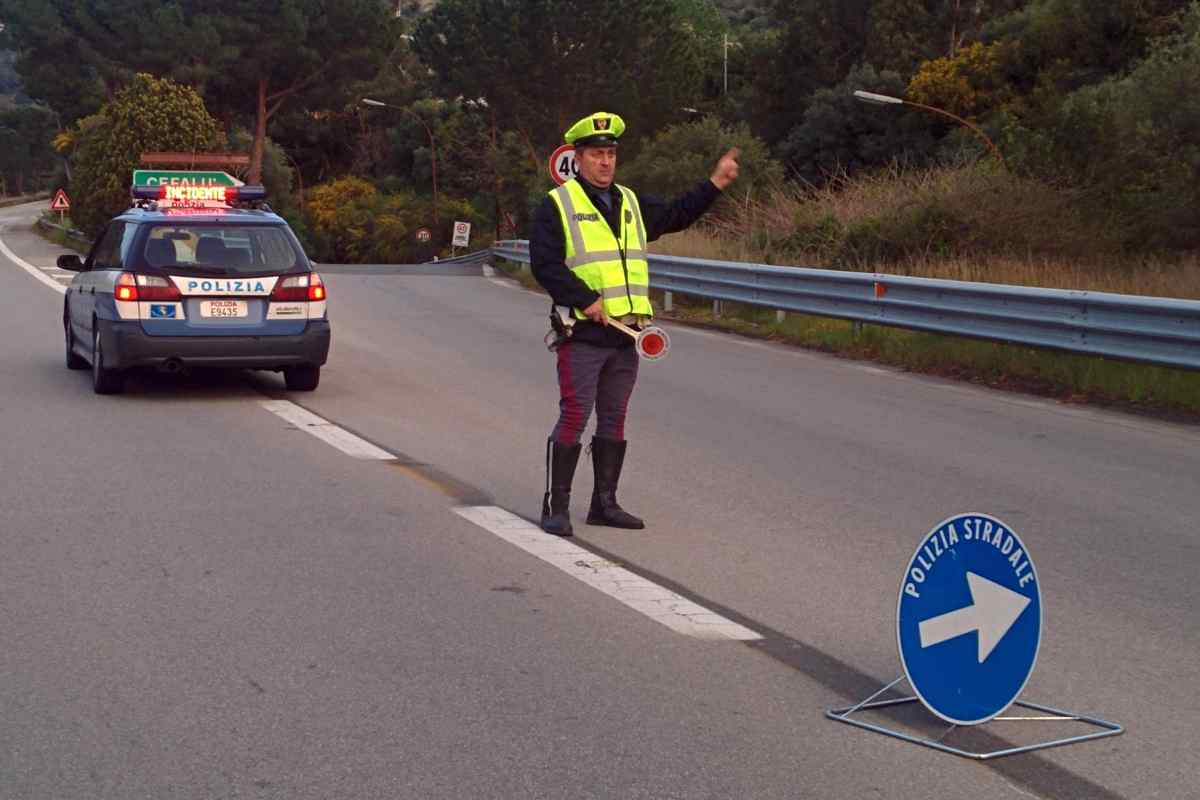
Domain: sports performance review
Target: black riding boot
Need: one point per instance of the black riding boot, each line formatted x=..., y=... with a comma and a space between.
x=560, y=472
x=607, y=457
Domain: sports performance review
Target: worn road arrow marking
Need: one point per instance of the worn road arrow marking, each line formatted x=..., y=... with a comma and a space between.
x=994, y=611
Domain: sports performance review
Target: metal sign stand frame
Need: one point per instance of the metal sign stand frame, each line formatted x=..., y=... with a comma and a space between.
x=1048, y=715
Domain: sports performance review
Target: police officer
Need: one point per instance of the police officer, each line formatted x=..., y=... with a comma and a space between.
x=588, y=250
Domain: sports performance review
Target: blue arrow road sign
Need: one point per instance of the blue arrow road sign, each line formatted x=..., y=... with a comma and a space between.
x=969, y=618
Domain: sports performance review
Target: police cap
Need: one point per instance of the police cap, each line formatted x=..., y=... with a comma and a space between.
x=596, y=130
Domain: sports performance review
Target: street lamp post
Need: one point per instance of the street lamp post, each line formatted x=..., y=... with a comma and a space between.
x=432, y=145
x=728, y=43
x=886, y=100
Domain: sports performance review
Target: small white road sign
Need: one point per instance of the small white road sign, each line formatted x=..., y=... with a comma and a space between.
x=462, y=234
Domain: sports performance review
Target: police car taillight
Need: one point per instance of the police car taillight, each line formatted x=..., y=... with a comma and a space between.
x=298, y=288
x=316, y=287
x=152, y=288
x=126, y=287
x=145, y=288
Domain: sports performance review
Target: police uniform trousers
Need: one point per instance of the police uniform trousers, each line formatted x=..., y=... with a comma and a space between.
x=590, y=376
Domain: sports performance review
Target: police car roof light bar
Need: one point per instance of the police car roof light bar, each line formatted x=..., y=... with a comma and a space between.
x=248, y=194
x=251, y=195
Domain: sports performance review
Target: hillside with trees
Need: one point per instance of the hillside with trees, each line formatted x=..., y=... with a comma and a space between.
x=1090, y=105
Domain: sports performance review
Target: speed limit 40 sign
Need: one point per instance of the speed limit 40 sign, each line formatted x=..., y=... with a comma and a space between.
x=562, y=164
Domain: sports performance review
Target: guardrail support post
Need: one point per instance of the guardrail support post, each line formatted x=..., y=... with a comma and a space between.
x=780, y=316
x=716, y=308
x=668, y=301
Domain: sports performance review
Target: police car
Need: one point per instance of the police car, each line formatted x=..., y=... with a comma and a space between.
x=196, y=276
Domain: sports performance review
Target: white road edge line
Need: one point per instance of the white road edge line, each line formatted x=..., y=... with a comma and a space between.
x=661, y=605
x=326, y=431
x=504, y=283
x=32, y=270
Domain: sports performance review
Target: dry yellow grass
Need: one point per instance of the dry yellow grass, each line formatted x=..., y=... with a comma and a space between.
x=1153, y=277
x=966, y=223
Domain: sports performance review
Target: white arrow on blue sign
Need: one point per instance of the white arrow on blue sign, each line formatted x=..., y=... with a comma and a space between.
x=969, y=618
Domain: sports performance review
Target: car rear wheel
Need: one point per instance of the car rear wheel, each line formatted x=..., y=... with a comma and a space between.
x=302, y=379
x=74, y=360
x=104, y=380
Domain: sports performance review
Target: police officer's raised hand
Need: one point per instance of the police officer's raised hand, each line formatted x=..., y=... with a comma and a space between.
x=595, y=312
x=727, y=169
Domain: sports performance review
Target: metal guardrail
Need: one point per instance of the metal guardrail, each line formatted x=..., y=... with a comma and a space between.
x=477, y=257
x=71, y=233
x=23, y=199
x=1153, y=330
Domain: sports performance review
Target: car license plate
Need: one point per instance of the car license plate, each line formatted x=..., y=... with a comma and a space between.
x=224, y=308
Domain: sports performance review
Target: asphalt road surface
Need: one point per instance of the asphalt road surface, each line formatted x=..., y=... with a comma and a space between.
x=201, y=600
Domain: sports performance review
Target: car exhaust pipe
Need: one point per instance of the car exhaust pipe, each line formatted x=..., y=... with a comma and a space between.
x=172, y=366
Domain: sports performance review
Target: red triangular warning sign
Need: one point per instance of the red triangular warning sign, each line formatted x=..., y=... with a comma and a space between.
x=60, y=201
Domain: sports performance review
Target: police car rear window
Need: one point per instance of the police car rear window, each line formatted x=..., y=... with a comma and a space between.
x=221, y=249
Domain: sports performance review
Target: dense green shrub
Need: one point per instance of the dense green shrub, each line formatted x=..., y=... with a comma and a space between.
x=681, y=156
x=149, y=115
x=842, y=135
x=1134, y=142
x=908, y=232
x=350, y=221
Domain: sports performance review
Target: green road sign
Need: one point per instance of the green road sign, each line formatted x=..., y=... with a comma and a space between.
x=174, y=177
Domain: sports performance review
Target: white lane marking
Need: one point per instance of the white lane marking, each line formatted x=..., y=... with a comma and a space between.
x=661, y=605
x=507, y=284
x=32, y=270
x=326, y=431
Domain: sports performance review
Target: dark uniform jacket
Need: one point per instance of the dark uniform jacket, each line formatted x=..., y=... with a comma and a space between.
x=548, y=248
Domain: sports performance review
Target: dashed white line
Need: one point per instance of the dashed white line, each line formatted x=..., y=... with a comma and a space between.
x=326, y=431
x=661, y=605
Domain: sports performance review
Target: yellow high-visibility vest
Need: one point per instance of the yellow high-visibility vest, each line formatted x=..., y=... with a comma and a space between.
x=594, y=254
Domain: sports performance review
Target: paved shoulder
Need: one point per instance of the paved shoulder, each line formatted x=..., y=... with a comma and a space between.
x=27, y=250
